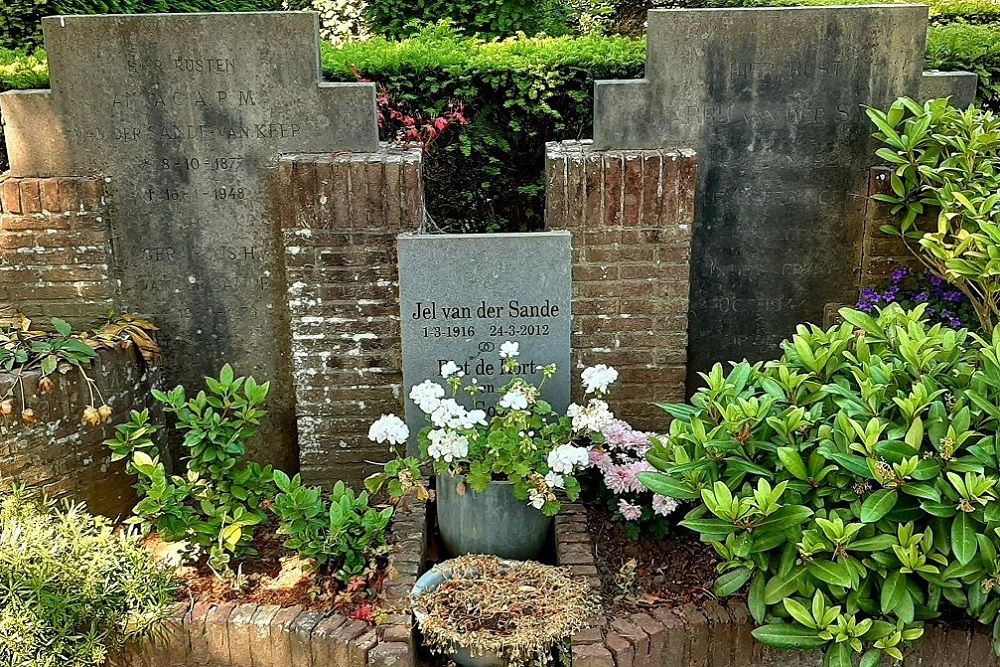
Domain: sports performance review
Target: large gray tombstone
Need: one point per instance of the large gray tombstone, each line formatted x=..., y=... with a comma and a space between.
x=185, y=116
x=772, y=101
x=462, y=295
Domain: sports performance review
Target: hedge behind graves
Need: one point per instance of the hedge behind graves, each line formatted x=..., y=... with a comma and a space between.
x=518, y=94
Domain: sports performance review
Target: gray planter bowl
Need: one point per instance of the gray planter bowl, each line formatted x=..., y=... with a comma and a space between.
x=493, y=522
x=427, y=583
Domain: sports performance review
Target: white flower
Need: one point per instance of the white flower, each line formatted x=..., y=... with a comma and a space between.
x=565, y=458
x=388, y=428
x=472, y=418
x=536, y=499
x=598, y=378
x=451, y=368
x=427, y=395
x=515, y=399
x=594, y=417
x=663, y=505
x=450, y=414
x=447, y=445
x=509, y=349
x=554, y=480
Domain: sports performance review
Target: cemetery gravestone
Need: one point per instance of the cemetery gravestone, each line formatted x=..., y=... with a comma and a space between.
x=462, y=296
x=185, y=116
x=771, y=99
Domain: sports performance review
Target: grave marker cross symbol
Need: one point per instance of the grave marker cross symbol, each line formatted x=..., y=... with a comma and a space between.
x=772, y=101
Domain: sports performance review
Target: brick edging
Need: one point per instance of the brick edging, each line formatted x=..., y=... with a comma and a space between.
x=251, y=635
x=717, y=633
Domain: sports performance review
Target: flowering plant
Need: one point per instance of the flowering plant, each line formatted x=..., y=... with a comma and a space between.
x=908, y=288
x=521, y=439
x=618, y=455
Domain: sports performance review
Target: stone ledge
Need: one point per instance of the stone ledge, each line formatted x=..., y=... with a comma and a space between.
x=718, y=632
x=251, y=635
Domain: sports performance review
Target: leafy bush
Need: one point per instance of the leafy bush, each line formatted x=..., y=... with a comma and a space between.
x=345, y=533
x=946, y=163
x=20, y=22
x=517, y=94
x=217, y=502
x=851, y=483
x=502, y=18
x=72, y=589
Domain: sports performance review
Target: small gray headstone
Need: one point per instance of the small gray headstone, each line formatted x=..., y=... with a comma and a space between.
x=772, y=100
x=185, y=116
x=462, y=295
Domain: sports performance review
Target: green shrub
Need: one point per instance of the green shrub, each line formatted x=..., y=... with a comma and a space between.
x=518, y=94
x=501, y=18
x=343, y=532
x=851, y=483
x=72, y=589
x=216, y=504
x=20, y=21
x=946, y=164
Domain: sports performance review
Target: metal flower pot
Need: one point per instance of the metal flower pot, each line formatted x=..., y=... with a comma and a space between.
x=493, y=522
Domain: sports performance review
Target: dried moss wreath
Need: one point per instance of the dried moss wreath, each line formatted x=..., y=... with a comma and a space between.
x=518, y=611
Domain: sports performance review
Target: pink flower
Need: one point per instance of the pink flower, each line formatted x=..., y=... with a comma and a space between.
x=619, y=435
x=629, y=511
x=620, y=479
x=663, y=505
x=600, y=460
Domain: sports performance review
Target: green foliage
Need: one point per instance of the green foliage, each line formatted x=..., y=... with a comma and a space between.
x=946, y=163
x=850, y=483
x=501, y=18
x=73, y=590
x=343, y=531
x=217, y=502
x=518, y=94
x=973, y=48
x=20, y=21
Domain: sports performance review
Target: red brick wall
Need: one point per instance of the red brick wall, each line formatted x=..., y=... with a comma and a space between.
x=881, y=254
x=61, y=456
x=631, y=215
x=340, y=219
x=54, y=248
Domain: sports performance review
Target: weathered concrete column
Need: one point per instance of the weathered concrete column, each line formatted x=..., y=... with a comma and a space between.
x=630, y=213
x=55, y=248
x=340, y=219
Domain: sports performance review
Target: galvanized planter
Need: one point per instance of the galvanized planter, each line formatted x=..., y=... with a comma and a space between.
x=492, y=522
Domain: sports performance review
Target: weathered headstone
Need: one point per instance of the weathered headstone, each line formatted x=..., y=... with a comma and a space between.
x=462, y=296
x=185, y=116
x=772, y=102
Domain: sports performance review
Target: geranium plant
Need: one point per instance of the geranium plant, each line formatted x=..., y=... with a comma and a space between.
x=852, y=483
x=525, y=441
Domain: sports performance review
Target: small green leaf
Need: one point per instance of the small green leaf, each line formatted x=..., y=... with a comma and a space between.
x=963, y=538
x=788, y=636
x=878, y=504
x=731, y=582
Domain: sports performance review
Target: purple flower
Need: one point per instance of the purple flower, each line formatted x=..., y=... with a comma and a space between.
x=934, y=280
x=899, y=274
x=921, y=297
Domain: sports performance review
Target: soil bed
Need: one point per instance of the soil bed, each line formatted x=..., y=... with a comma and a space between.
x=275, y=576
x=637, y=574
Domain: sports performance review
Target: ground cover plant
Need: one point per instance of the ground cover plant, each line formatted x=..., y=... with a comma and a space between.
x=909, y=288
x=242, y=530
x=849, y=484
x=73, y=590
x=946, y=166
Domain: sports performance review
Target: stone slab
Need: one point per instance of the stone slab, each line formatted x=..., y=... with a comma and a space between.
x=185, y=116
x=959, y=86
x=772, y=100
x=462, y=295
